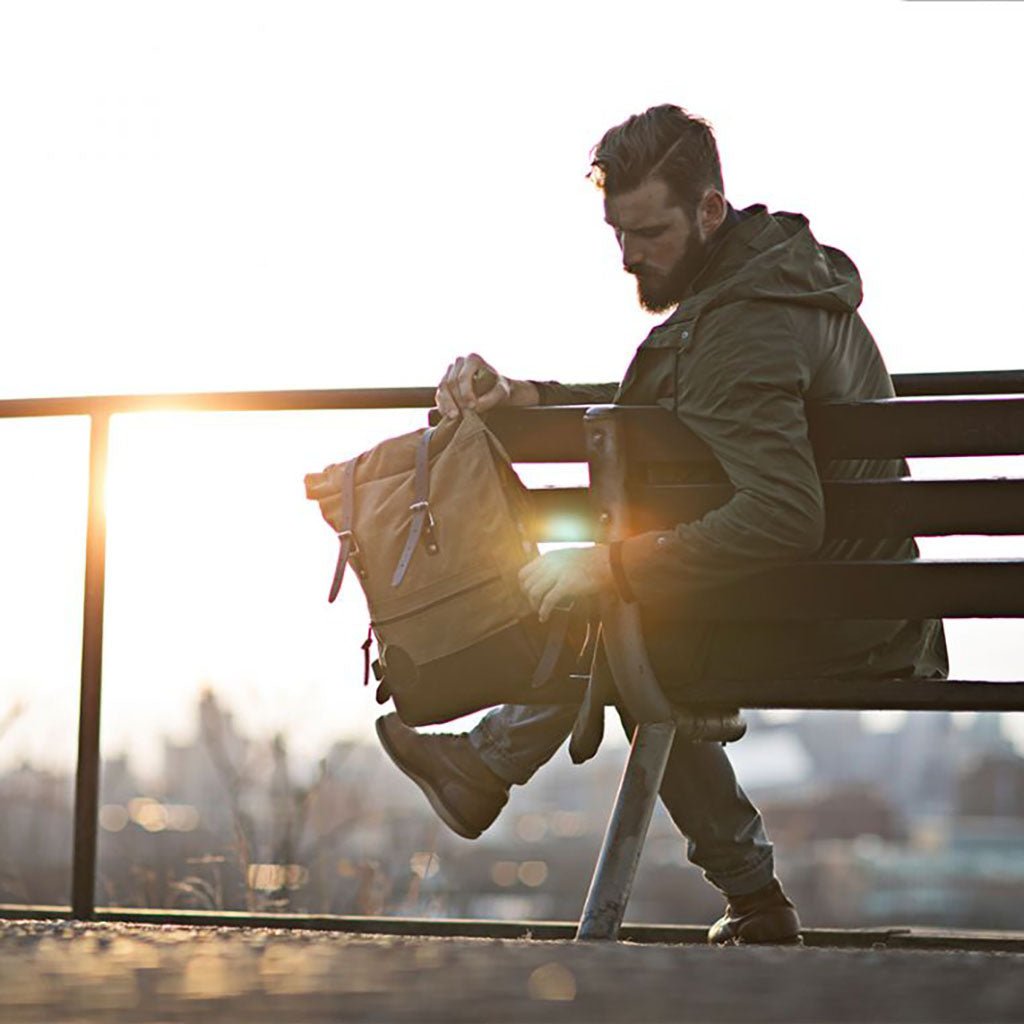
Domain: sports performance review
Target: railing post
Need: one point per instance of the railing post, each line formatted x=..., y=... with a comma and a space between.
x=87, y=777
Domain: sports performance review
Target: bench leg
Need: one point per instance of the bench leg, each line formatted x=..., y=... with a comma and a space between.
x=627, y=828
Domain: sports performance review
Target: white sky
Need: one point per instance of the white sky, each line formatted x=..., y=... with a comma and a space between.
x=234, y=196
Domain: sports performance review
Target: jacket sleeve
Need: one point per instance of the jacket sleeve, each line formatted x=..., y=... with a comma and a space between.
x=740, y=389
x=553, y=393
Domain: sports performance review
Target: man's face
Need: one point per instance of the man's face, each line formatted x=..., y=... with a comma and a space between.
x=661, y=243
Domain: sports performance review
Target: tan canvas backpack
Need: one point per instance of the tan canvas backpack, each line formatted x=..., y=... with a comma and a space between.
x=435, y=525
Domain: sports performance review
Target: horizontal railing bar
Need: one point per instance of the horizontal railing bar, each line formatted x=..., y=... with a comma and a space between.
x=34, y=912
x=884, y=429
x=674, y=934
x=980, y=382
x=222, y=401
x=853, y=508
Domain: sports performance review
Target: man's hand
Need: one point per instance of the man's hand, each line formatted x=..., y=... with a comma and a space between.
x=455, y=392
x=559, y=577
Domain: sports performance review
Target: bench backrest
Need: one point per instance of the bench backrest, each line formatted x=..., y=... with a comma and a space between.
x=903, y=427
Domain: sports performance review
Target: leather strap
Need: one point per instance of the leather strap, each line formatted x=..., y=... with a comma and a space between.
x=553, y=647
x=422, y=522
x=365, y=645
x=588, y=729
x=348, y=548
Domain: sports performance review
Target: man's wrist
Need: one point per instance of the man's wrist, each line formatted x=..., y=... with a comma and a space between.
x=618, y=573
x=523, y=392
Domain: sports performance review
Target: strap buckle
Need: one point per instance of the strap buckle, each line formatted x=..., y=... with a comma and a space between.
x=354, y=552
x=353, y=544
x=429, y=525
x=423, y=506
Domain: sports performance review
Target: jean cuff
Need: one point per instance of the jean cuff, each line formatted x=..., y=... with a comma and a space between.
x=745, y=881
x=483, y=743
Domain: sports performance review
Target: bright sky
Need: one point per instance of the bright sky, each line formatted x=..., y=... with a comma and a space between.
x=243, y=195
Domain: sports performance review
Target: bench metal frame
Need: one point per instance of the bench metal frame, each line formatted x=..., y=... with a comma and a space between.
x=804, y=591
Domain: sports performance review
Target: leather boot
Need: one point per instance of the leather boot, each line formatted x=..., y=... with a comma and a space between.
x=466, y=795
x=764, y=916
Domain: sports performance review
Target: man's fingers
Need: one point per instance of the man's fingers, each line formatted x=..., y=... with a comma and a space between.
x=453, y=410
x=531, y=569
x=470, y=365
x=446, y=396
x=551, y=600
x=535, y=591
x=558, y=578
x=455, y=392
x=537, y=573
x=444, y=403
x=535, y=585
x=545, y=584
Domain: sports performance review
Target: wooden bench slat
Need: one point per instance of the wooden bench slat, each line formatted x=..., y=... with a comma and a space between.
x=965, y=382
x=919, y=428
x=862, y=508
x=892, y=428
x=923, y=508
x=857, y=694
x=868, y=590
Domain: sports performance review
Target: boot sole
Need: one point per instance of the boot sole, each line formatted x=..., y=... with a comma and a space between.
x=436, y=801
x=796, y=941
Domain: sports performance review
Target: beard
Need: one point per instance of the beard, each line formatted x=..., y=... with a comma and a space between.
x=660, y=292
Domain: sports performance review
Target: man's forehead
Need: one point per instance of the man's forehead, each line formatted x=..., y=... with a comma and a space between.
x=648, y=204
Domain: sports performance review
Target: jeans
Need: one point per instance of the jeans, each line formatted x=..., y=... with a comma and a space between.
x=724, y=832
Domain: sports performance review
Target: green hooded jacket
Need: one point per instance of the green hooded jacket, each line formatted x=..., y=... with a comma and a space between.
x=769, y=325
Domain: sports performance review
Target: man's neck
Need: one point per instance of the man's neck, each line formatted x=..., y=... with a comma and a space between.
x=732, y=218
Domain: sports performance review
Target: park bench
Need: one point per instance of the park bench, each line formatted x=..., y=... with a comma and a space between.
x=934, y=415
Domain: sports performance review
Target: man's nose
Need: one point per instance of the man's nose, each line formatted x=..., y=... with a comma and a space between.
x=632, y=255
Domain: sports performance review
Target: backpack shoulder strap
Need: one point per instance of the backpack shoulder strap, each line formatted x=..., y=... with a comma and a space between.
x=422, y=522
x=348, y=548
x=558, y=632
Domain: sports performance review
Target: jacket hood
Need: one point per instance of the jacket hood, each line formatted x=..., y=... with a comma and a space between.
x=773, y=257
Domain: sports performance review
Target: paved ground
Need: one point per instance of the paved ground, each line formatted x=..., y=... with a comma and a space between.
x=57, y=972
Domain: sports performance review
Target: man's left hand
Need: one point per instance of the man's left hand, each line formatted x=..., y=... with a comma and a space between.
x=559, y=577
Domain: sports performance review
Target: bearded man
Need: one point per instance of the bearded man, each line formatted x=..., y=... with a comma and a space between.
x=764, y=319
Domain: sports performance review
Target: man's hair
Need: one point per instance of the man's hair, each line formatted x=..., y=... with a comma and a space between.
x=663, y=142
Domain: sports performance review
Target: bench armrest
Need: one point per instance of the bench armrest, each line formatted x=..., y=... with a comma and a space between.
x=623, y=638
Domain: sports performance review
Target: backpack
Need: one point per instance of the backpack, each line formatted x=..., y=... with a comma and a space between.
x=435, y=525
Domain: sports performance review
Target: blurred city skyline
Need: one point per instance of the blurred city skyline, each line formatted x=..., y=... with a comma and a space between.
x=918, y=826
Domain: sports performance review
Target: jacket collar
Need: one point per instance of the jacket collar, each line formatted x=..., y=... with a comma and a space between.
x=742, y=233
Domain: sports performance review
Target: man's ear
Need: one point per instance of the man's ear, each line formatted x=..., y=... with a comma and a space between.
x=711, y=212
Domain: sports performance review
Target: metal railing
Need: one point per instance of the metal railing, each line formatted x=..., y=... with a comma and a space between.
x=101, y=408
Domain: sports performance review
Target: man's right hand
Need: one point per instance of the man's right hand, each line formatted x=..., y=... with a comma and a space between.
x=456, y=390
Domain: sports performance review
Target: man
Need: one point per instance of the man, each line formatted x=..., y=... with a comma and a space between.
x=764, y=320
